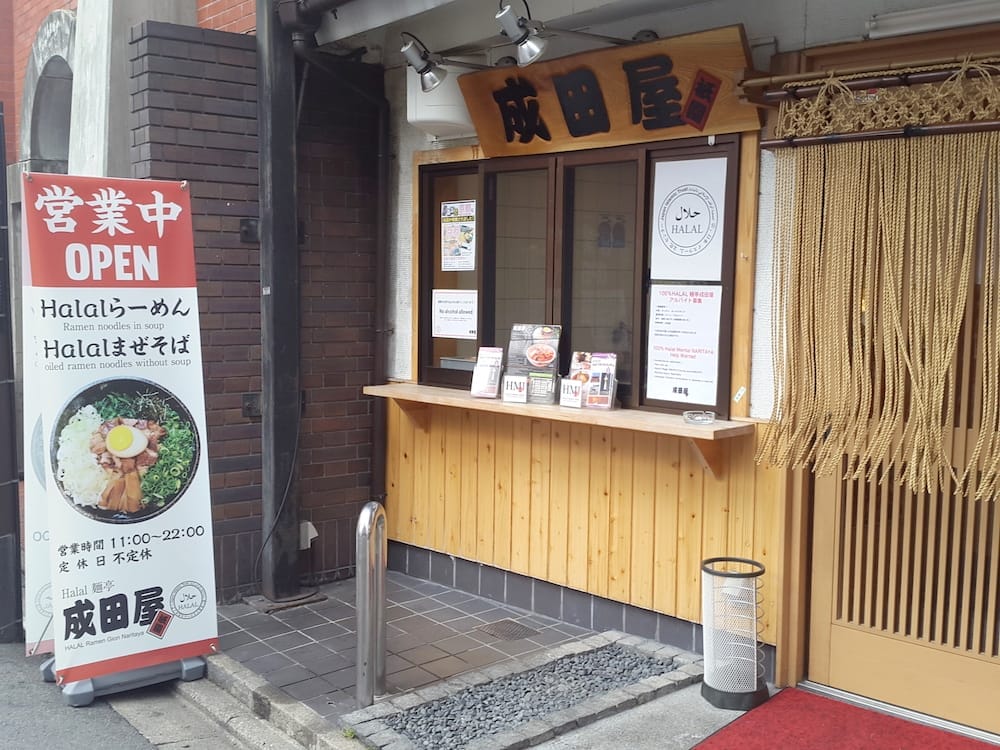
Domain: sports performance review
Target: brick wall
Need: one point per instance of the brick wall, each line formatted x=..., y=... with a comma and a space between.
x=7, y=76
x=238, y=16
x=337, y=199
x=194, y=118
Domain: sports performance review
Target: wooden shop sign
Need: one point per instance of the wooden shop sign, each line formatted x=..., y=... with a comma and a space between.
x=668, y=88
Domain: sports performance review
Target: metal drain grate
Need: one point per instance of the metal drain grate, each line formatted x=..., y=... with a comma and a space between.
x=507, y=630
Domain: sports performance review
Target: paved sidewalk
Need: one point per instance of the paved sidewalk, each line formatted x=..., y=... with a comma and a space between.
x=676, y=721
x=297, y=667
x=34, y=714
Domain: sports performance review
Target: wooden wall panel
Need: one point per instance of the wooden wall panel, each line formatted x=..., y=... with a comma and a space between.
x=503, y=469
x=559, y=502
x=579, y=507
x=538, y=519
x=643, y=522
x=619, y=514
x=485, y=492
x=600, y=508
x=520, y=497
x=665, y=535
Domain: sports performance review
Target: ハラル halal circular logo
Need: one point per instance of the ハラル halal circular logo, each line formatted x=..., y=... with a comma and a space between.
x=188, y=600
x=688, y=220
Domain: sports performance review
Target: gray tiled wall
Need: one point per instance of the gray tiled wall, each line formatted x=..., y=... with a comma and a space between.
x=576, y=607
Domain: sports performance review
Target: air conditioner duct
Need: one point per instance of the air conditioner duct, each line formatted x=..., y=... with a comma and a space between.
x=441, y=112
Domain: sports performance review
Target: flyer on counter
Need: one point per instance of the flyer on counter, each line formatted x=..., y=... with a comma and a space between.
x=683, y=352
x=570, y=393
x=596, y=373
x=111, y=331
x=486, y=374
x=603, y=380
x=458, y=235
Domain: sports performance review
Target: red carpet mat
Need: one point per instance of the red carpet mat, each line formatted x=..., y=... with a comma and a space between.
x=797, y=720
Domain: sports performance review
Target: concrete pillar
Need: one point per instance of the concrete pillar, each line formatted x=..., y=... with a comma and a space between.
x=100, y=128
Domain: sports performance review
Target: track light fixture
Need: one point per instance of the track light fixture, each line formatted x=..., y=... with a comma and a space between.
x=427, y=64
x=525, y=32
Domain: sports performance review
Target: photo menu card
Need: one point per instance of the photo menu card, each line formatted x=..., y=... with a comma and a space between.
x=532, y=363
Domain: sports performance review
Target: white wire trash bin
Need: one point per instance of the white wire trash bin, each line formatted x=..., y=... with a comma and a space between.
x=731, y=614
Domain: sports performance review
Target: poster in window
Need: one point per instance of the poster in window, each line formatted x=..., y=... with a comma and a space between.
x=454, y=313
x=458, y=236
x=683, y=354
x=688, y=218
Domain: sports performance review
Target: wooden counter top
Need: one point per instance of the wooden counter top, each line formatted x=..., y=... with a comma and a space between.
x=702, y=438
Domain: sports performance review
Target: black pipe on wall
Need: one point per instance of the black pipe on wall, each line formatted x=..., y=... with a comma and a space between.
x=280, y=320
x=10, y=518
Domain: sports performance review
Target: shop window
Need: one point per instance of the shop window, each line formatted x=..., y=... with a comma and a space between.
x=593, y=241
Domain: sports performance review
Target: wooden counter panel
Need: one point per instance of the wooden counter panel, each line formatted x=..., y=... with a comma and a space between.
x=702, y=439
x=621, y=419
x=617, y=512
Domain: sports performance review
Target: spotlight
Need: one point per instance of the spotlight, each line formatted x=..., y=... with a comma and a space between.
x=523, y=32
x=427, y=64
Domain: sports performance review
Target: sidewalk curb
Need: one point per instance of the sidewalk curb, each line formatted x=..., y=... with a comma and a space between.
x=226, y=712
x=313, y=732
x=300, y=723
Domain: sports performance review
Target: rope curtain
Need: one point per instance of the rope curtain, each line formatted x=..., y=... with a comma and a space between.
x=970, y=94
x=886, y=262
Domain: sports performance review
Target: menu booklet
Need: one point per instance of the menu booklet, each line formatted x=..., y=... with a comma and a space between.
x=486, y=374
x=595, y=372
x=603, y=383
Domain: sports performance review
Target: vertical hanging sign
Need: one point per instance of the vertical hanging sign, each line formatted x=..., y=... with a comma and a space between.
x=111, y=332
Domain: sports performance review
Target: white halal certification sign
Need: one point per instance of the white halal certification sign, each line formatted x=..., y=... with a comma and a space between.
x=688, y=220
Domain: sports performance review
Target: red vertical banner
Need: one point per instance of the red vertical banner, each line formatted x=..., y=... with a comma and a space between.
x=111, y=333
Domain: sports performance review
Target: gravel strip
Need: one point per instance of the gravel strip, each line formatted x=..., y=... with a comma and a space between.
x=508, y=702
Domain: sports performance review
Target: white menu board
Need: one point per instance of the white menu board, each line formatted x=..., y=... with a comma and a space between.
x=683, y=354
x=686, y=232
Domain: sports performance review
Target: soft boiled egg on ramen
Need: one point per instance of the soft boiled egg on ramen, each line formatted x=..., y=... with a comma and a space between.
x=125, y=441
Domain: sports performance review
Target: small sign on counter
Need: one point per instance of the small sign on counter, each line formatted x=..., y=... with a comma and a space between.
x=515, y=389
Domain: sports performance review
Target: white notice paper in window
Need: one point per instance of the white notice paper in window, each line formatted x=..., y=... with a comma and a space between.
x=686, y=231
x=683, y=354
x=455, y=313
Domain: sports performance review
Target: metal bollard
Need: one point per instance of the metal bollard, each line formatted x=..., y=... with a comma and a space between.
x=371, y=561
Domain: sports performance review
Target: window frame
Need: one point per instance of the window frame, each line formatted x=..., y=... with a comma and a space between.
x=560, y=167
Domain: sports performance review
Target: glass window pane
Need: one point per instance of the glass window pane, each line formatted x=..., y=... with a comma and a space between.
x=522, y=213
x=602, y=260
